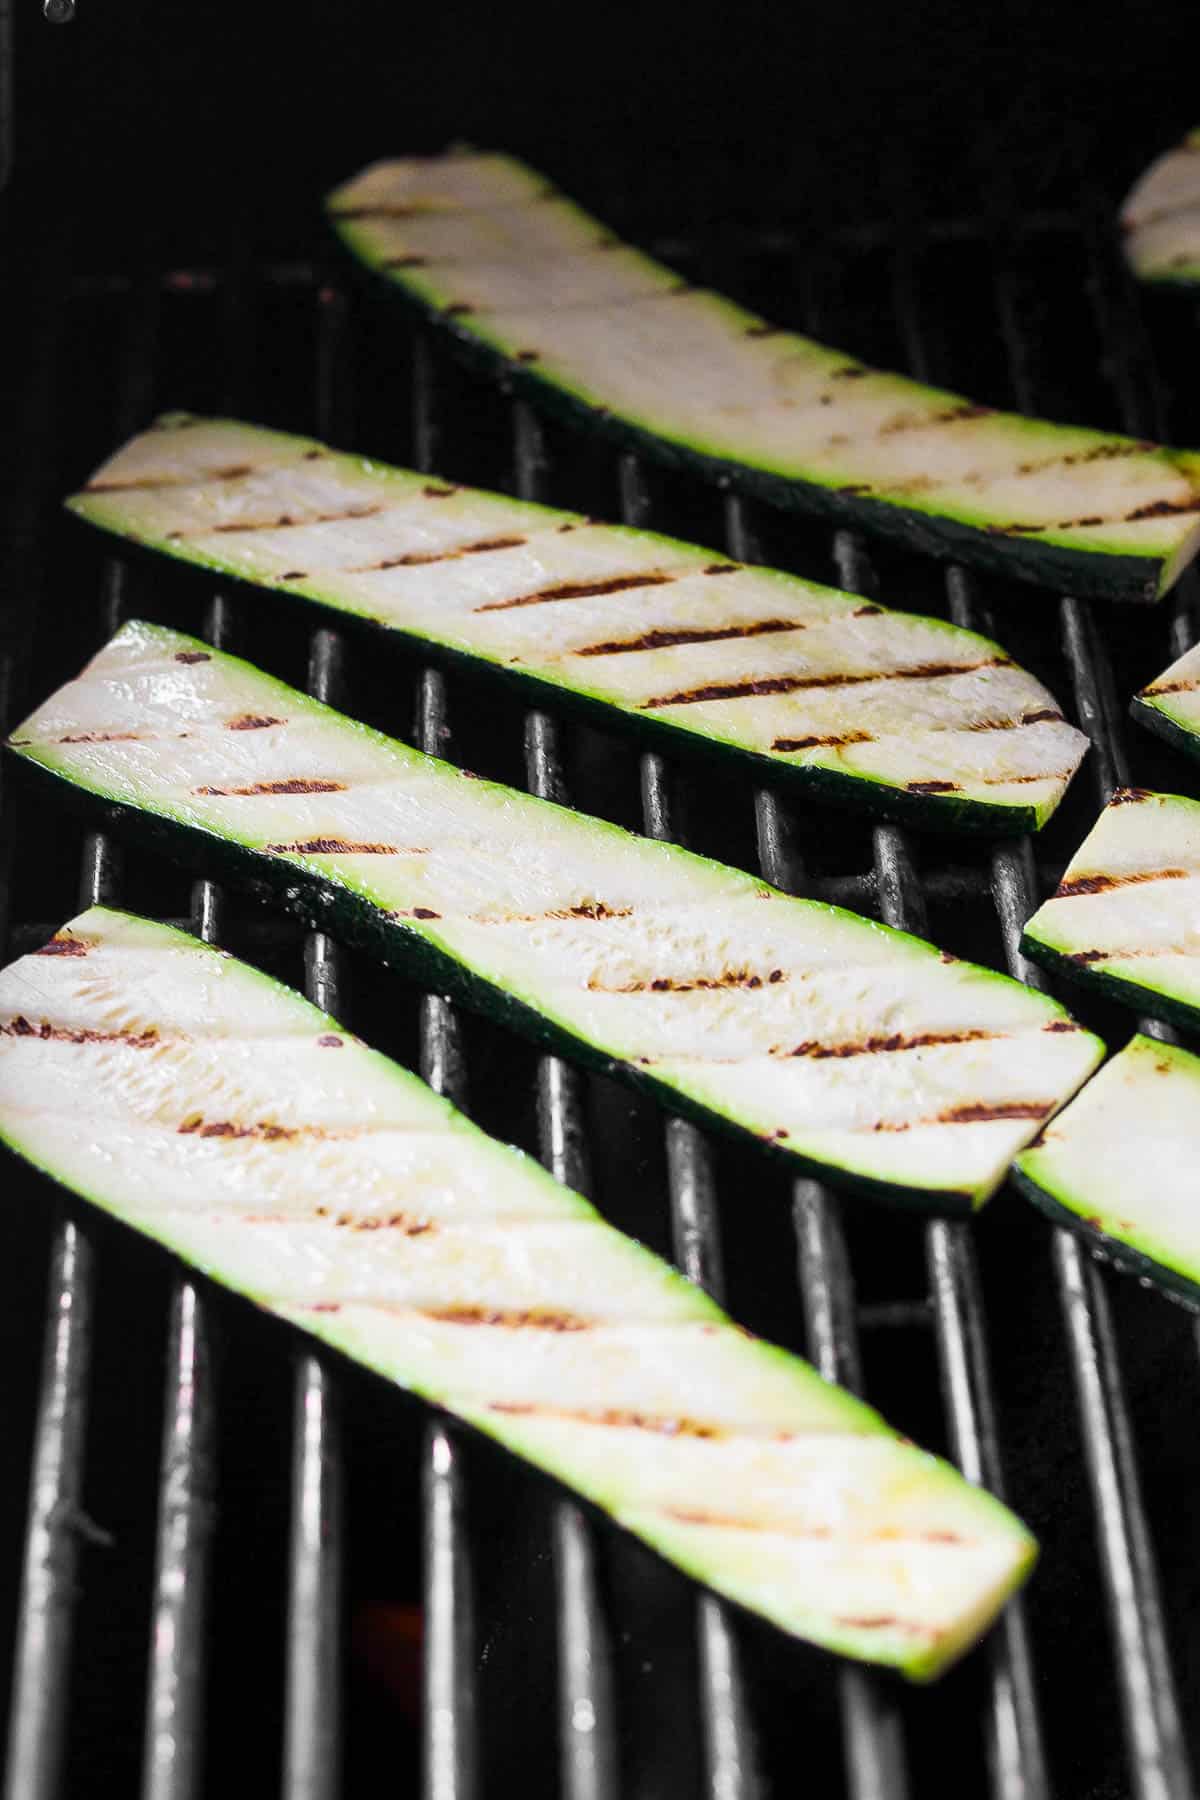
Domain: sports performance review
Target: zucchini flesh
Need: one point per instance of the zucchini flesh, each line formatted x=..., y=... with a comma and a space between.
x=218, y=1112
x=1170, y=706
x=902, y=714
x=524, y=278
x=1119, y=1165
x=1126, y=916
x=861, y=1051
x=1161, y=217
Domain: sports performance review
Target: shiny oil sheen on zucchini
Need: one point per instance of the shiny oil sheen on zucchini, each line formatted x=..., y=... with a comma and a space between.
x=903, y=715
x=520, y=275
x=863, y=1053
x=216, y=1111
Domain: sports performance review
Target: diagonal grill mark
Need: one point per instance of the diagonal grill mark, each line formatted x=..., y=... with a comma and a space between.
x=690, y=984
x=666, y=1425
x=295, y=785
x=696, y=1515
x=151, y=483
x=791, y=684
x=20, y=1027
x=973, y=1112
x=579, y=590
x=878, y=1045
x=699, y=634
x=1076, y=886
x=421, y=558
x=285, y=522
x=338, y=847
x=1170, y=687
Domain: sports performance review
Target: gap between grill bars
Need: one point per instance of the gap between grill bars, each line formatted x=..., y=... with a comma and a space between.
x=588, y=1724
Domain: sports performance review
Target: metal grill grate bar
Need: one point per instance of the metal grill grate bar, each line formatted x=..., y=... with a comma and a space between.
x=448, y=1708
x=587, y=1735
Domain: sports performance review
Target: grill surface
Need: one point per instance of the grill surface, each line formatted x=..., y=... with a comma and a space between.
x=202, y=1521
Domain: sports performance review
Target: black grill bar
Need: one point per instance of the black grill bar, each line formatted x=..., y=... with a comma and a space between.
x=312, y=1691
x=587, y=1734
x=730, y=1753
x=448, y=1710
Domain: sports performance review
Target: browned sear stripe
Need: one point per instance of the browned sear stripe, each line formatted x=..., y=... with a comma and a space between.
x=791, y=684
x=421, y=558
x=1169, y=687
x=974, y=1112
x=690, y=984
x=20, y=1027
x=833, y=742
x=881, y=1045
x=695, y=1515
x=295, y=785
x=148, y=483
x=252, y=722
x=1079, y=885
x=699, y=634
x=538, y=1318
x=579, y=590
x=668, y=1426
x=336, y=847
x=63, y=946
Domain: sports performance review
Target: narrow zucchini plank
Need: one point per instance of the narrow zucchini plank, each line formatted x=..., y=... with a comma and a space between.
x=903, y=715
x=1161, y=217
x=216, y=1111
x=862, y=1052
x=1170, y=706
x=1126, y=917
x=1121, y=1165
x=523, y=278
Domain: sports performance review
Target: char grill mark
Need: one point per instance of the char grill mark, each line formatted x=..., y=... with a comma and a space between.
x=665, y=1425
x=151, y=483
x=1079, y=885
x=294, y=785
x=974, y=1112
x=252, y=722
x=422, y=558
x=63, y=946
x=879, y=1045
x=537, y=1318
x=791, y=684
x=338, y=847
x=1186, y=686
x=1154, y=509
x=700, y=634
x=695, y=1515
x=690, y=984
x=579, y=590
x=45, y=1032
x=284, y=522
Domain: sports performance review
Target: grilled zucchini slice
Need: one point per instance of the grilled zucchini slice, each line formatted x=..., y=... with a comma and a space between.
x=862, y=1052
x=526, y=280
x=1126, y=916
x=1161, y=217
x=1120, y=1163
x=1170, y=706
x=902, y=715
x=218, y=1112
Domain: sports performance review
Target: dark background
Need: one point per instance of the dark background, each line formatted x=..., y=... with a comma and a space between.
x=147, y=118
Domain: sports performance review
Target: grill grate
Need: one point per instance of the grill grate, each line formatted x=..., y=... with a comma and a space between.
x=622, y=1704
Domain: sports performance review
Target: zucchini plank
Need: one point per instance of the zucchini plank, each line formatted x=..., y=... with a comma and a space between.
x=900, y=714
x=1121, y=1164
x=1170, y=706
x=216, y=1111
x=1126, y=916
x=524, y=279
x=1161, y=217
x=866, y=1054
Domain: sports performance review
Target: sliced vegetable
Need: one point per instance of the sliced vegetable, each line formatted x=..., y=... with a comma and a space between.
x=1120, y=1165
x=860, y=1051
x=1161, y=217
x=521, y=276
x=905, y=715
x=1170, y=706
x=218, y=1112
x=1126, y=917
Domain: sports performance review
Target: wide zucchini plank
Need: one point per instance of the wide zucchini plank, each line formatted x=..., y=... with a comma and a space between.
x=905, y=714
x=519, y=274
x=1170, y=706
x=1161, y=217
x=1121, y=1164
x=863, y=1052
x=1126, y=916
x=216, y=1111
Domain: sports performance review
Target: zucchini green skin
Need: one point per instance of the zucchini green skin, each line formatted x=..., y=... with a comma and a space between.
x=1122, y=919
x=337, y=1193
x=1170, y=705
x=187, y=488
x=683, y=938
x=1108, y=1175
x=1064, y=553
x=1160, y=218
